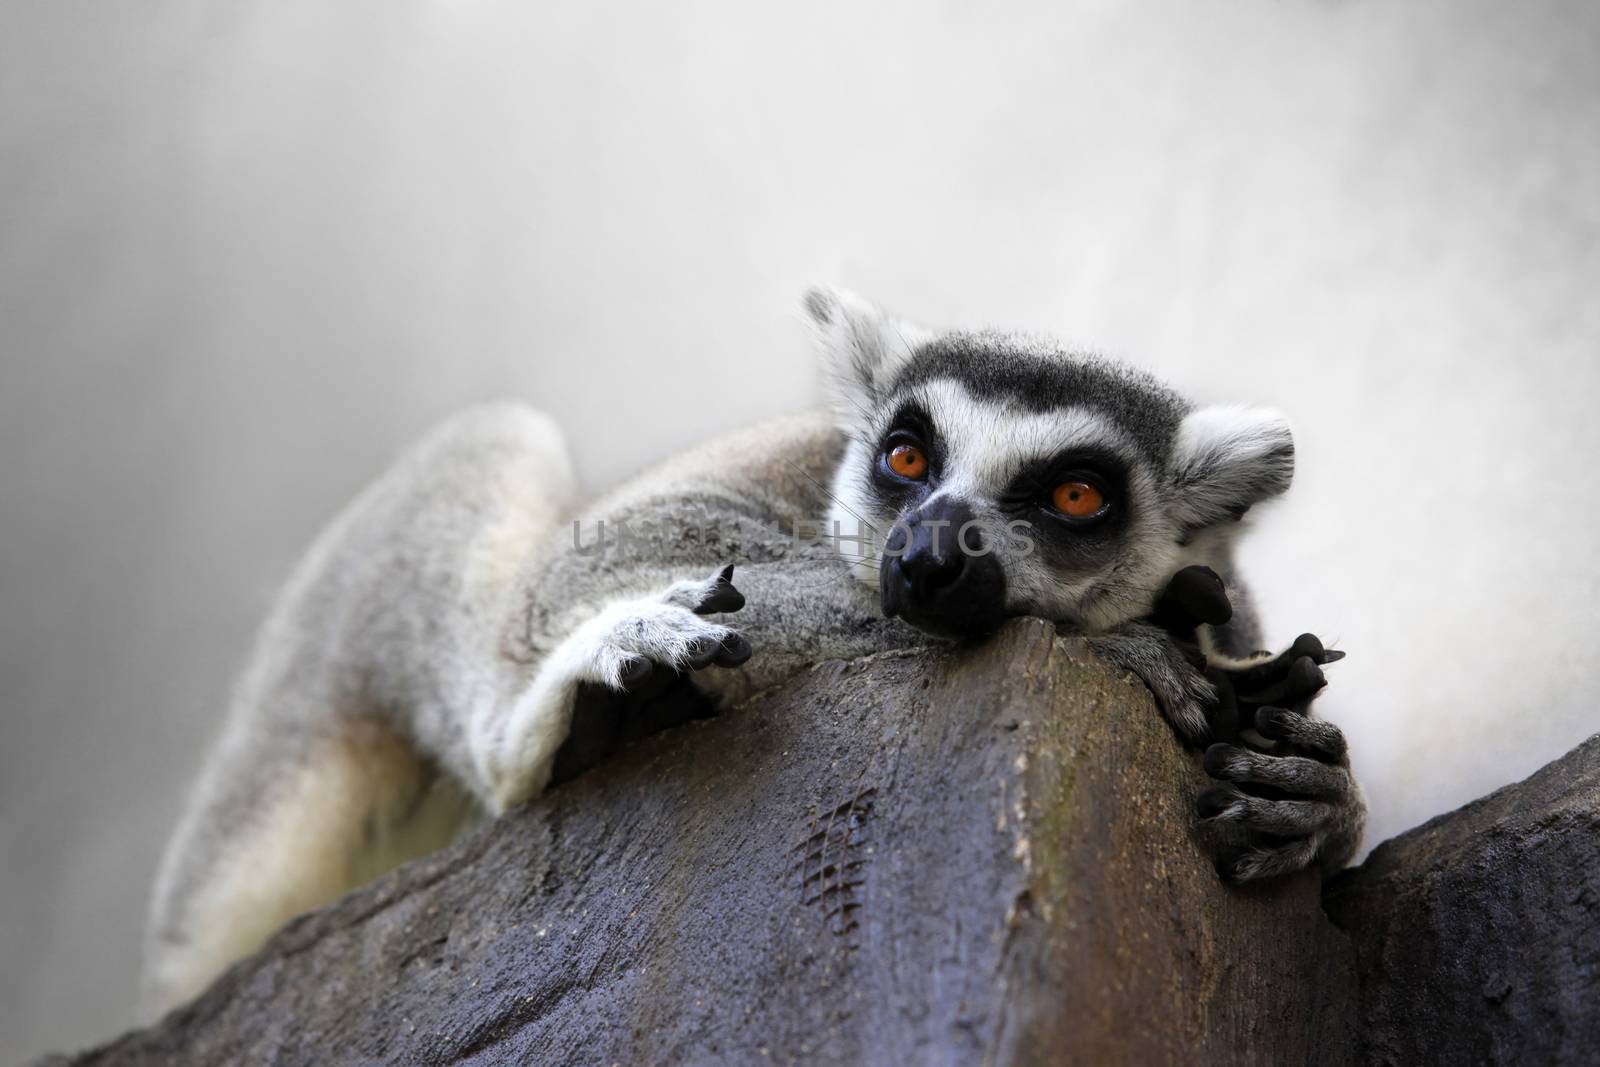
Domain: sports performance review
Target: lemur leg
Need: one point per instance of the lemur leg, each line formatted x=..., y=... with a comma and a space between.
x=1180, y=686
x=632, y=648
x=350, y=804
x=350, y=714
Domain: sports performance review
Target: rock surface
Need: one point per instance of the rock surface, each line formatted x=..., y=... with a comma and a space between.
x=919, y=858
x=1478, y=934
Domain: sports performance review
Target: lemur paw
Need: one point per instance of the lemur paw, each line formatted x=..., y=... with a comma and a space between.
x=657, y=646
x=1195, y=597
x=620, y=676
x=1290, y=680
x=633, y=642
x=645, y=646
x=1288, y=798
x=1283, y=804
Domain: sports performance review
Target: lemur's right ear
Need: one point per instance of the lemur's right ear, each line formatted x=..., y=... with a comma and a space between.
x=1226, y=459
x=862, y=347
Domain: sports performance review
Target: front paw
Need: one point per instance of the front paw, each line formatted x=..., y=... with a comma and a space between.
x=1194, y=598
x=653, y=691
x=638, y=646
x=1284, y=804
x=1291, y=680
x=621, y=675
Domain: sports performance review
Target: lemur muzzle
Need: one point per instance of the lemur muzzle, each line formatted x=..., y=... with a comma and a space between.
x=940, y=574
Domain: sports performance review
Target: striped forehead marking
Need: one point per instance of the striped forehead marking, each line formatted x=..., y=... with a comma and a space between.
x=988, y=440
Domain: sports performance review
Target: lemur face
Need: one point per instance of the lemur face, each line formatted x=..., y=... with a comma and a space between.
x=988, y=475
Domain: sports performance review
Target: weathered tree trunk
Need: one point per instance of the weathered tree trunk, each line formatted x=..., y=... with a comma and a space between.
x=979, y=857
x=923, y=858
x=1478, y=933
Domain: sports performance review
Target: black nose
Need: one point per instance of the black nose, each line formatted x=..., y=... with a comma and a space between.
x=939, y=575
x=932, y=564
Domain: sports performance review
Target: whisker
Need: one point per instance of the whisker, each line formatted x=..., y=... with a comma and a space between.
x=828, y=493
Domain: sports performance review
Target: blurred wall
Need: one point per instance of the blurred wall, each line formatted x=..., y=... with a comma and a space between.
x=248, y=250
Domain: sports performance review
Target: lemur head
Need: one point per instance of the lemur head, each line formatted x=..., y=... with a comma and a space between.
x=988, y=475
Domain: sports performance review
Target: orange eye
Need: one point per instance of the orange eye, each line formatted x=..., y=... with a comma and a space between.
x=908, y=461
x=1078, y=500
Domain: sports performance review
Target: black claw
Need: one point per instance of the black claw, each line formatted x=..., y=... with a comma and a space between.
x=723, y=596
x=1305, y=677
x=1216, y=759
x=636, y=672
x=1214, y=801
x=701, y=653
x=1273, y=722
x=733, y=651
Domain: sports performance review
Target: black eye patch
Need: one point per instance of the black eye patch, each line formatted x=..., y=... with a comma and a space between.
x=1064, y=541
x=910, y=418
x=910, y=425
x=1037, y=479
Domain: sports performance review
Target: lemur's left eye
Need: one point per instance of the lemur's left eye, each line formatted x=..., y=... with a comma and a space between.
x=908, y=461
x=1077, y=500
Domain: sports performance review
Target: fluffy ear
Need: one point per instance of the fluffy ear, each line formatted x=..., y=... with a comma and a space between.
x=1227, y=459
x=862, y=347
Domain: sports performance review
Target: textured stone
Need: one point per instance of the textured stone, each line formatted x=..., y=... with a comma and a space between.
x=919, y=858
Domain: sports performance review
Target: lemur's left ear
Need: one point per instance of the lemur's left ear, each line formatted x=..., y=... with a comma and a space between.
x=1225, y=460
x=862, y=347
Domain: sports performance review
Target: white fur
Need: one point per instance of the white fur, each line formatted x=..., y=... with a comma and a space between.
x=986, y=443
x=1223, y=453
x=862, y=347
x=989, y=442
x=853, y=519
x=342, y=727
x=350, y=812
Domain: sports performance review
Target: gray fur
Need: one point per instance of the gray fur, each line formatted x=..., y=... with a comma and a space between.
x=1297, y=774
x=1290, y=818
x=427, y=614
x=1181, y=691
x=1322, y=738
x=1322, y=812
x=421, y=668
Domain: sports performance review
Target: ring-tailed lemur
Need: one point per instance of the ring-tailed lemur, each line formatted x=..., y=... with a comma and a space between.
x=461, y=636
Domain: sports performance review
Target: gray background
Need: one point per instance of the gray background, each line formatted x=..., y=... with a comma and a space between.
x=248, y=250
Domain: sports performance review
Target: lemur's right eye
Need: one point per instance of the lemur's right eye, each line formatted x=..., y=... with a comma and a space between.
x=908, y=462
x=1078, y=499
